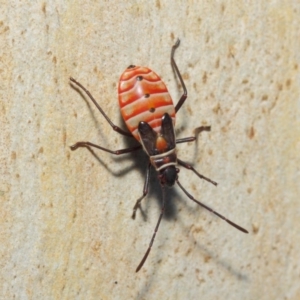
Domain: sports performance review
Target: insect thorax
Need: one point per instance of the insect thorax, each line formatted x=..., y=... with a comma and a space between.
x=163, y=160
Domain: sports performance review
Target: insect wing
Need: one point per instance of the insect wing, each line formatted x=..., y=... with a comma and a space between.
x=148, y=138
x=167, y=131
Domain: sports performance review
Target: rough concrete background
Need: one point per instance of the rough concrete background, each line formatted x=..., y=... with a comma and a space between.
x=66, y=231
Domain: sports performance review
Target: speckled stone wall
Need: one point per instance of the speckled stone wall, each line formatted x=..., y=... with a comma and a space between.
x=66, y=229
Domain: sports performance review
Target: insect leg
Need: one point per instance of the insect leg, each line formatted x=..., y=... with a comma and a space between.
x=155, y=231
x=114, y=127
x=116, y=152
x=186, y=140
x=201, y=128
x=210, y=209
x=174, y=65
x=145, y=192
x=189, y=167
x=197, y=131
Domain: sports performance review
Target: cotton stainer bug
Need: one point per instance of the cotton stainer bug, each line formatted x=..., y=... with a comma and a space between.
x=149, y=114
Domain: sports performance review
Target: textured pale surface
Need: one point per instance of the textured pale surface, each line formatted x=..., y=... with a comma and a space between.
x=66, y=231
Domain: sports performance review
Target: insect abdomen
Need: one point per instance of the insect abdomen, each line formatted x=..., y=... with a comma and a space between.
x=143, y=97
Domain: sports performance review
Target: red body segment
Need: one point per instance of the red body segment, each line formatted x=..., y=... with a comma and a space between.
x=143, y=97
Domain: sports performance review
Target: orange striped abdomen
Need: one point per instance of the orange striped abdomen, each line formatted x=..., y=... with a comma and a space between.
x=143, y=97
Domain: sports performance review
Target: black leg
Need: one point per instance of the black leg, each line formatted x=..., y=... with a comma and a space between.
x=211, y=210
x=187, y=166
x=174, y=65
x=116, y=152
x=186, y=140
x=199, y=129
x=155, y=231
x=145, y=192
x=114, y=127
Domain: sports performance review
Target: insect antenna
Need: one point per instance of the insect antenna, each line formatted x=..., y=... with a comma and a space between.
x=210, y=209
x=155, y=230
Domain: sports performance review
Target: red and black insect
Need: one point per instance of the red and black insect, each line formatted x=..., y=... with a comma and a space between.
x=149, y=114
